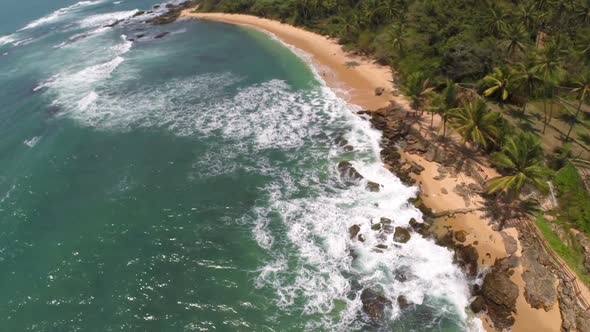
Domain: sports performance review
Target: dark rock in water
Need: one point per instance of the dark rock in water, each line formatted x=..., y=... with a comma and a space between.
x=141, y=35
x=381, y=246
x=401, y=235
x=131, y=39
x=386, y=221
x=361, y=238
x=139, y=13
x=376, y=227
x=172, y=14
x=420, y=228
x=403, y=302
x=467, y=257
x=461, y=236
x=156, y=6
x=353, y=231
x=112, y=24
x=348, y=173
x=161, y=35
x=373, y=186
x=374, y=305
x=500, y=294
x=478, y=305
x=379, y=91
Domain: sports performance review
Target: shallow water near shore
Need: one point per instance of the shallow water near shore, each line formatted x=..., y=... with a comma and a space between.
x=190, y=183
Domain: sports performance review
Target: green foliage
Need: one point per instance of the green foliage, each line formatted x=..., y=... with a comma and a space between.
x=572, y=255
x=477, y=124
x=574, y=200
x=521, y=163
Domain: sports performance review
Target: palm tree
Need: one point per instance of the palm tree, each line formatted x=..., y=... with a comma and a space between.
x=528, y=79
x=548, y=64
x=527, y=14
x=516, y=36
x=583, y=90
x=477, y=124
x=498, y=84
x=521, y=163
x=451, y=100
x=417, y=88
x=582, y=10
x=495, y=18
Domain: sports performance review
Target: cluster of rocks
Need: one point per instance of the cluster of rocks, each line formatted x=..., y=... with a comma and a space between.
x=540, y=277
x=498, y=294
x=398, y=133
x=172, y=13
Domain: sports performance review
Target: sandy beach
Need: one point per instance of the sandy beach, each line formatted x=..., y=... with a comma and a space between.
x=360, y=83
x=356, y=84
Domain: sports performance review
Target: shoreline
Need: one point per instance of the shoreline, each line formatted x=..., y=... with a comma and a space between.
x=437, y=194
x=355, y=84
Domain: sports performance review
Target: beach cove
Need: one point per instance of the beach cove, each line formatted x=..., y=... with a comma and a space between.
x=360, y=82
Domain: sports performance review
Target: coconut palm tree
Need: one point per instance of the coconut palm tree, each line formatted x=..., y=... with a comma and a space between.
x=451, y=100
x=548, y=64
x=417, y=88
x=528, y=79
x=582, y=89
x=582, y=11
x=516, y=37
x=499, y=84
x=527, y=14
x=477, y=124
x=521, y=163
x=495, y=18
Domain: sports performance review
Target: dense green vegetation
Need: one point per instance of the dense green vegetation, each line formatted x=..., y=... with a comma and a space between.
x=574, y=200
x=569, y=250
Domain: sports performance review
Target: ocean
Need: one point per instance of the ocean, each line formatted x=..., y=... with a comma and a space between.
x=190, y=183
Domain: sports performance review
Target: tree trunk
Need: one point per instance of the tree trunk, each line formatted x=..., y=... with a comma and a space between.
x=567, y=137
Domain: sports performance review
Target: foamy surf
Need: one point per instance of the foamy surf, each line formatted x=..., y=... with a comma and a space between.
x=58, y=14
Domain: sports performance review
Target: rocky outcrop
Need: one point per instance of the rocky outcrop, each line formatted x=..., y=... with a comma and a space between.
x=374, y=305
x=573, y=317
x=510, y=243
x=348, y=173
x=540, y=283
x=172, y=14
x=585, y=244
x=500, y=294
x=379, y=91
x=478, y=304
x=467, y=257
x=420, y=228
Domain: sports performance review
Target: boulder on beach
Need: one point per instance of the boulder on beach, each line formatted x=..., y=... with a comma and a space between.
x=500, y=294
x=379, y=91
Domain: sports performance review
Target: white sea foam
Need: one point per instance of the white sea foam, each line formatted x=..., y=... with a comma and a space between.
x=7, y=39
x=311, y=263
x=32, y=141
x=104, y=19
x=58, y=14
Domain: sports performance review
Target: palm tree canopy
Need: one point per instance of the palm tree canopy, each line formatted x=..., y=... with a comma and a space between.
x=521, y=159
x=477, y=124
x=582, y=85
x=417, y=88
x=498, y=84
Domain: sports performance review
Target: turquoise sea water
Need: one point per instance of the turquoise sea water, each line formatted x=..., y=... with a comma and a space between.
x=189, y=183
